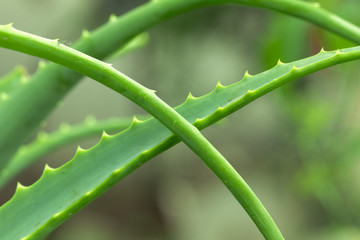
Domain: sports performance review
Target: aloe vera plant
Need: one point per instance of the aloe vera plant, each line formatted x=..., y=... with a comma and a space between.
x=34, y=211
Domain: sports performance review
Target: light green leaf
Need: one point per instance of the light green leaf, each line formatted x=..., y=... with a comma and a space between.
x=36, y=210
x=105, y=40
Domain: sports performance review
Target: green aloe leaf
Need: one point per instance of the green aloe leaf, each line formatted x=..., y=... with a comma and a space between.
x=145, y=98
x=102, y=42
x=46, y=143
x=36, y=210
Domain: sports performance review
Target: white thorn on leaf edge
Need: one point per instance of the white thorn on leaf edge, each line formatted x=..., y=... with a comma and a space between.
x=80, y=149
x=20, y=186
x=219, y=85
x=198, y=120
x=279, y=62
x=47, y=168
x=294, y=68
x=135, y=120
x=338, y=52
x=105, y=134
x=247, y=74
x=190, y=96
x=9, y=25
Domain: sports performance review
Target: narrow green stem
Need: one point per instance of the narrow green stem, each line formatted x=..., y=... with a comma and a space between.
x=312, y=12
x=155, y=12
x=147, y=99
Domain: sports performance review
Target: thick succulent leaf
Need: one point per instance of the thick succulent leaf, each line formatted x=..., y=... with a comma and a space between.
x=146, y=98
x=36, y=210
x=65, y=135
x=102, y=42
x=19, y=98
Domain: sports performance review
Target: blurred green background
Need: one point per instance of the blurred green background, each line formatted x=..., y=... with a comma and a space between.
x=297, y=147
